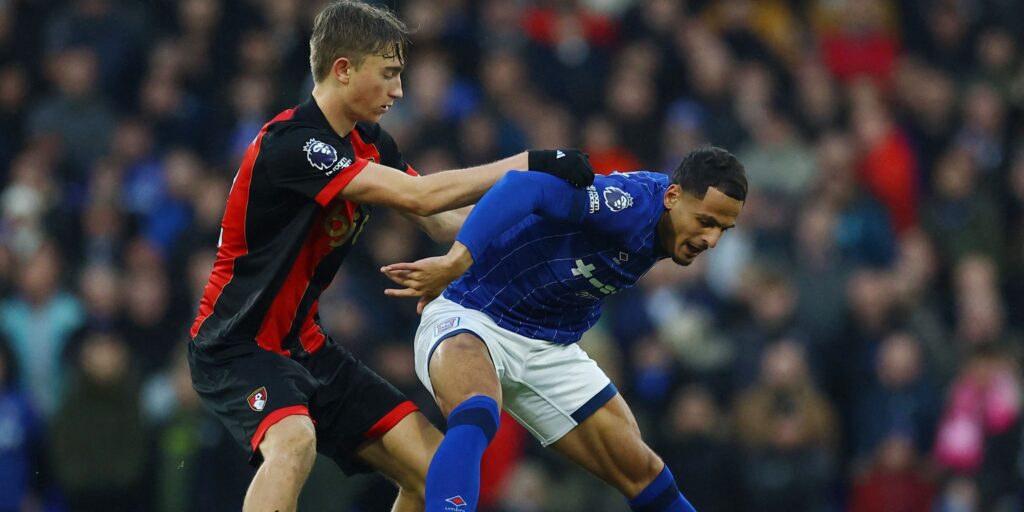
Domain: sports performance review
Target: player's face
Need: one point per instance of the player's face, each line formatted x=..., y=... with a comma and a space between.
x=373, y=87
x=692, y=225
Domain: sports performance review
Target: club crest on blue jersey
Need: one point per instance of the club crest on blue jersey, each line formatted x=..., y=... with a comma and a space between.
x=320, y=154
x=617, y=199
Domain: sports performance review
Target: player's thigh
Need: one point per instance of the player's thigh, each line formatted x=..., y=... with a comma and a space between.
x=250, y=389
x=460, y=352
x=609, y=445
x=461, y=367
x=403, y=454
x=353, y=406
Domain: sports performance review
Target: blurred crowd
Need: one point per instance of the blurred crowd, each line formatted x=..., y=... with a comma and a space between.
x=854, y=344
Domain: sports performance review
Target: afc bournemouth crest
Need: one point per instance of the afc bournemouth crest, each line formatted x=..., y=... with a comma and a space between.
x=258, y=399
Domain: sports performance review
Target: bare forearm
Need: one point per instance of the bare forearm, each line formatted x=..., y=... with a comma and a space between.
x=441, y=227
x=455, y=189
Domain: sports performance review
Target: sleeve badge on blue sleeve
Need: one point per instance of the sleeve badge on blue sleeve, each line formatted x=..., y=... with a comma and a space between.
x=617, y=199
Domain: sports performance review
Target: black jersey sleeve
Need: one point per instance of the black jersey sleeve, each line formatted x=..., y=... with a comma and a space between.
x=309, y=160
x=387, y=147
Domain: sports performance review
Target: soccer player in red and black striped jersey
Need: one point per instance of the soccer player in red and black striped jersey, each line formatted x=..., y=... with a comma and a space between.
x=258, y=356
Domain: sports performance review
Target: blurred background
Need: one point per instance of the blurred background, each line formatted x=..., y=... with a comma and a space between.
x=853, y=345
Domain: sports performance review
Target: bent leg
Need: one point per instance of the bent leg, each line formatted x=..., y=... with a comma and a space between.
x=289, y=450
x=609, y=445
x=403, y=455
x=468, y=392
x=461, y=368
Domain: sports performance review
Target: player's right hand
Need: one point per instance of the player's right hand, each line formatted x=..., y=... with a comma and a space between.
x=571, y=165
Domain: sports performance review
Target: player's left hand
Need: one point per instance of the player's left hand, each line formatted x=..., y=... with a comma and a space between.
x=428, y=277
x=425, y=279
x=571, y=165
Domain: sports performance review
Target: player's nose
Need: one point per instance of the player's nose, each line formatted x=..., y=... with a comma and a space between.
x=711, y=238
x=396, y=92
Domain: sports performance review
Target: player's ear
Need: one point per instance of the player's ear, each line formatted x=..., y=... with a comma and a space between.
x=342, y=69
x=672, y=195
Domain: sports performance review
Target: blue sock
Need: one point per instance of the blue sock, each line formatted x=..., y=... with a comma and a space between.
x=661, y=495
x=453, y=479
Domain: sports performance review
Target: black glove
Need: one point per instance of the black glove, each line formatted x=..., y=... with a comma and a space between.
x=571, y=165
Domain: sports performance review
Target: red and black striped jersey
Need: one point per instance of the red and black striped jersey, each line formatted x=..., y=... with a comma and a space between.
x=285, y=232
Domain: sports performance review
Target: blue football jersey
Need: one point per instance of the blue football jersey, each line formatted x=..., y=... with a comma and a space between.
x=547, y=280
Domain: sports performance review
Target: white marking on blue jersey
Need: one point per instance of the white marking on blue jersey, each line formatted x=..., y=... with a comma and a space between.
x=554, y=290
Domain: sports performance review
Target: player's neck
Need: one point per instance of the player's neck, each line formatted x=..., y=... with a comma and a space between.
x=662, y=232
x=332, y=106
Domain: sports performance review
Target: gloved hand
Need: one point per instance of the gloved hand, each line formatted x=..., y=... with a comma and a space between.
x=571, y=165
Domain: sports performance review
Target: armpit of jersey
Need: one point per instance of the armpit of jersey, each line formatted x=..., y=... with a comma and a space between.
x=310, y=161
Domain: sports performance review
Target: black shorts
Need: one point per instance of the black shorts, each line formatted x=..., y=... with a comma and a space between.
x=250, y=389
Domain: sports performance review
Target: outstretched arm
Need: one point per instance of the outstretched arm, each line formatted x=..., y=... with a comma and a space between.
x=434, y=193
x=427, y=195
x=512, y=199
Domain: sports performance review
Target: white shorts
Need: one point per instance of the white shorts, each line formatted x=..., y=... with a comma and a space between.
x=548, y=388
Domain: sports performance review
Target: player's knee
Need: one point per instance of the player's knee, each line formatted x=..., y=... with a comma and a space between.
x=412, y=483
x=646, y=471
x=290, y=442
x=413, y=491
x=449, y=403
x=640, y=471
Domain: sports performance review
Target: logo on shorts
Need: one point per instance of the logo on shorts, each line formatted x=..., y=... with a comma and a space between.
x=258, y=399
x=446, y=325
x=617, y=199
x=458, y=503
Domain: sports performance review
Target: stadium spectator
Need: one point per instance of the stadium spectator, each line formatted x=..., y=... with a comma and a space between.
x=97, y=97
x=99, y=442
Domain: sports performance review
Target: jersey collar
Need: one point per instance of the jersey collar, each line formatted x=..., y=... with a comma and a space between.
x=310, y=112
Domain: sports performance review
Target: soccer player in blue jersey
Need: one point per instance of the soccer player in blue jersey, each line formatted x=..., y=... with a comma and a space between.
x=531, y=267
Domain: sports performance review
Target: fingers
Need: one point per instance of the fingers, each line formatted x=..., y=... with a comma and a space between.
x=403, y=278
x=400, y=266
x=403, y=292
